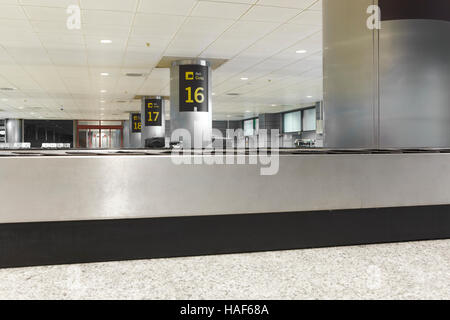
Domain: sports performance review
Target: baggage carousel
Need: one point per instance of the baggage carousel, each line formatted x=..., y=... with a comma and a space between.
x=79, y=206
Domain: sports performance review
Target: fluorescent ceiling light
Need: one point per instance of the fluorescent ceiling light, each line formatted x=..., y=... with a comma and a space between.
x=105, y=74
x=106, y=41
x=244, y=79
x=301, y=51
x=103, y=91
x=309, y=97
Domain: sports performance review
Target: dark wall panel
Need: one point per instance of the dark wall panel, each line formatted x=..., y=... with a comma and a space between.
x=38, y=132
x=415, y=9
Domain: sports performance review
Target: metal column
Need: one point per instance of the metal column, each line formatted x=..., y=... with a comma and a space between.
x=191, y=102
x=153, y=115
x=135, y=126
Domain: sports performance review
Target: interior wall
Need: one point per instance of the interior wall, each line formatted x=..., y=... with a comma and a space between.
x=38, y=132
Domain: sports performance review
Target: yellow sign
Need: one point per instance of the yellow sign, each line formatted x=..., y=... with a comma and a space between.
x=189, y=76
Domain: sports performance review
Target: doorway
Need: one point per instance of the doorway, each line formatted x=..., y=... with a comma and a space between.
x=99, y=134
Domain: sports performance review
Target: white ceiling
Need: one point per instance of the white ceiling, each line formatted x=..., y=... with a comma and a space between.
x=51, y=66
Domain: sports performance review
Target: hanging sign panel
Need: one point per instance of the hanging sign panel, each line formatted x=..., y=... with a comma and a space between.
x=153, y=109
x=194, y=88
x=136, y=124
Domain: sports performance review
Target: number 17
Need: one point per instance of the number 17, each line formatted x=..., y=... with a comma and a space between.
x=150, y=114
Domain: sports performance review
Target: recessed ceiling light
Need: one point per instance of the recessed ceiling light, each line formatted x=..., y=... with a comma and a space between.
x=309, y=97
x=244, y=79
x=301, y=51
x=106, y=41
x=105, y=74
x=103, y=91
x=248, y=111
x=274, y=105
x=213, y=93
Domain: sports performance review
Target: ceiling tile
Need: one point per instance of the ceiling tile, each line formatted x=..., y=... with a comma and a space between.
x=116, y=18
x=299, y=4
x=220, y=10
x=109, y=5
x=11, y=12
x=270, y=14
x=171, y=7
x=45, y=13
x=309, y=17
x=49, y=3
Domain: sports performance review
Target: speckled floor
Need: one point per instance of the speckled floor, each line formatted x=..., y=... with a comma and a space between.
x=419, y=270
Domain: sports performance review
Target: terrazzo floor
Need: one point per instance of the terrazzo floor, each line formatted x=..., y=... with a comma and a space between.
x=417, y=270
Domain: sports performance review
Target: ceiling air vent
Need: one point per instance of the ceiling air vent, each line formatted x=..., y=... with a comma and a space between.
x=232, y=94
x=136, y=75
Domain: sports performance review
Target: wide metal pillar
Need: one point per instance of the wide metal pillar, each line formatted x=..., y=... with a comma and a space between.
x=153, y=115
x=191, y=103
x=388, y=87
x=135, y=126
x=14, y=131
x=126, y=133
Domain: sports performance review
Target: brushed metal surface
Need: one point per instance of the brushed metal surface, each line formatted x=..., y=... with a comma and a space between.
x=126, y=133
x=14, y=131
x=135, y=138
x=387, y=88
x=116, y=187
x=155, y=131
x=199, y=124
x=349, y=77
x=414, y=83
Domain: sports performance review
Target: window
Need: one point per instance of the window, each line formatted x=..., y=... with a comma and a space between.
x=309, y=119
x=249, y=127
x=299, y=121
x=292, y=122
